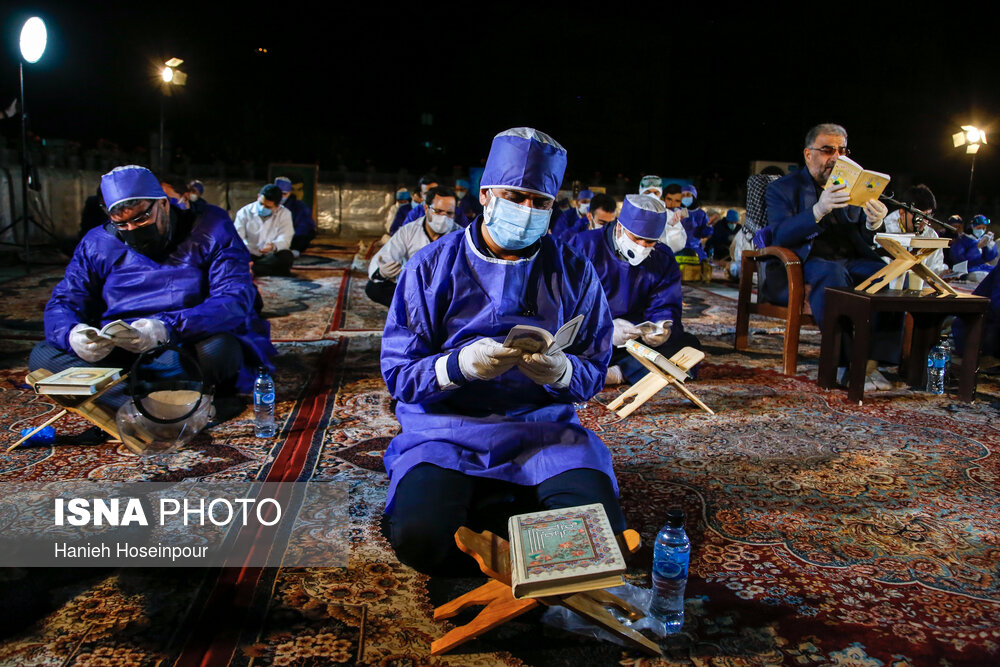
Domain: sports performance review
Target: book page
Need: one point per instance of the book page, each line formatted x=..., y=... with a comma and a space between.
x=529, y=339
x=845, y=171
x=118, y=329
x=566, y=334
x=869, y=185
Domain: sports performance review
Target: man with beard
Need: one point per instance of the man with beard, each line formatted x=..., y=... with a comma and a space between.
x=834, y=240
x=174, y=280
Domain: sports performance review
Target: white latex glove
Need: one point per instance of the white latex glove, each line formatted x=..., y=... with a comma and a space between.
x=545, y=368
x=389, y=270
x=658, y=339
x=833, y=197
x=624, y=331
x=875, y=211
x=486, y=359
x=149, y=334
x=89, y=347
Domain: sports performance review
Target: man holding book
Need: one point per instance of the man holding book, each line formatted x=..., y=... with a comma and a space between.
x=641, y=281
x=490, y=431
x=834, y=240
x=174, y=277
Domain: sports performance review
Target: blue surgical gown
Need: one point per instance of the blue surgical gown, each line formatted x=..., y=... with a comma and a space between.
x=697, y=228
x=966, y=249
x=650, y=291
x=401, y=214
x=567, y=220
x=450, y=294
x=414, y=213
x=202, y=288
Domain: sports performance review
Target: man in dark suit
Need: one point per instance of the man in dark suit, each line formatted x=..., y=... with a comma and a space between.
x=834, y=240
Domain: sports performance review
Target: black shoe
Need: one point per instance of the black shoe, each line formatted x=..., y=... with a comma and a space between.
x=227, y=407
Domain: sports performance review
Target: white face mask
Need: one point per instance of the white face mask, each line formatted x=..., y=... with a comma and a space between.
x=583, y=208
x=629, y=249
x=440, y=224
x=461, y=193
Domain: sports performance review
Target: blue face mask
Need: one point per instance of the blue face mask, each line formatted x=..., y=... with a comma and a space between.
x=978, y=232
x=514, y=226
x=687, y=201
x=262, y=210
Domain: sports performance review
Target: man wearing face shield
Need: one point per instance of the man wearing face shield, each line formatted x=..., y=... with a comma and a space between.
x=266, y=227
x=674, y=236
x=641, y=281
x=190, y=288
x=384, y=267
x=489, y=431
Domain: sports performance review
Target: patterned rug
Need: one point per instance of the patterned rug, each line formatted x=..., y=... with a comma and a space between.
x=304, y=306
x=824, y=532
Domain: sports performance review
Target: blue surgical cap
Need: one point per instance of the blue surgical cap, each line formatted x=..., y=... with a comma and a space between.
x=690, y=188
x=732, y=215
x=644, y=216
x=402, y=194
x=284, y=184
x=130, y=182
x=585, y=194
x=197, y=186
x=462, y=183
x=523, y=158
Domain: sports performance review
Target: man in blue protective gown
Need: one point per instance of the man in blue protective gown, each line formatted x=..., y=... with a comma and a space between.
x=427, y=181
x=641, y=281
x=488, y=431
x=571, y=217
x=179, y=281
x=302, y=218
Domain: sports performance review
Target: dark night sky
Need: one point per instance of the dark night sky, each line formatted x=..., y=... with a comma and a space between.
x=628, y=94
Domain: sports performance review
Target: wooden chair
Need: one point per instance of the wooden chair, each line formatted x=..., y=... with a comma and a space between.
x=796, y=312
x=499, y=604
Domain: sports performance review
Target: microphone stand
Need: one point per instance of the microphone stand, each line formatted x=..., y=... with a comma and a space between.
x=917, y=214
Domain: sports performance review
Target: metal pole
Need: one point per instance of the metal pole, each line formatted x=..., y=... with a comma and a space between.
x=968, y=198
x=163, y=100
x=24, y=173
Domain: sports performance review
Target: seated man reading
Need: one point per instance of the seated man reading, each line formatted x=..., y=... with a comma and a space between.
x=385, y=266
x=173, y=279
x=480, y=421
x=642, y=283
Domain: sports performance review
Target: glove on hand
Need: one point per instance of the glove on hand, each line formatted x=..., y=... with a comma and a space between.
x=833, y=197
x=624, y=332
x=389, y=270
x=544, y=368
x=658, y=339
x=486, y=359
x=149, y=334
x=92, y=347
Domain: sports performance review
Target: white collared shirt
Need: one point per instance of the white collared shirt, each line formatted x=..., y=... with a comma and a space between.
x=257, y=232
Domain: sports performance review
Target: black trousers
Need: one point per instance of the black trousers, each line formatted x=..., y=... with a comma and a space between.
x=220, y=358
x=301, y=241
x=273, y=264
x=634, y=371
x=380, y=292
x=431, y=503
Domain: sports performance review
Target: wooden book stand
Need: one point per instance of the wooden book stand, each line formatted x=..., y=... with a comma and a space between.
x=657, y=379
x=493, y=555
x=85, y=406
x=908, y=255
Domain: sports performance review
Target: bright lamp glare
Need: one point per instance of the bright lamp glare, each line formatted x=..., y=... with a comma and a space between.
x=33, y=38
x=167, y=74
x=973, y=136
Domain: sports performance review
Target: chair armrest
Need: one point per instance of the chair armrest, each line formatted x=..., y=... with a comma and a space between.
x=784, y=254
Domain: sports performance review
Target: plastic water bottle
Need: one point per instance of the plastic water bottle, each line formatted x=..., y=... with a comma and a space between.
x=671, y=554
x=937, y=363
x=263, y=405
x=949, y=349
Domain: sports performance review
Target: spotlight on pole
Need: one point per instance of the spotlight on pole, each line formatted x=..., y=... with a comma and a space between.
x=33, y=39
x=973, y=138
x=171, y=76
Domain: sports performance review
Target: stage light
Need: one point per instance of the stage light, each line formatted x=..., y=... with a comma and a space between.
x=33, y=39
x=167, y=74
x=170, y=76
x=973, y=139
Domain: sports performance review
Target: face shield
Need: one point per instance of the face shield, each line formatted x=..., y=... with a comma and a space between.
x=169, y=402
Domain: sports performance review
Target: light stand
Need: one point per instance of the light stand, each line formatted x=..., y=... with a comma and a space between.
x=972, y=138
x=32, y=43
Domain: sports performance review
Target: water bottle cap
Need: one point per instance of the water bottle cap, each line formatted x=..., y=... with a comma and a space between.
x=262, y=370
x=675, y=518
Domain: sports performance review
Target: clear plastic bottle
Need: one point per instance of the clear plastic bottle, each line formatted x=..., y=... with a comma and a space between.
x=937, y=363
x=263, y=405
x=949, y=350
x=671, y=555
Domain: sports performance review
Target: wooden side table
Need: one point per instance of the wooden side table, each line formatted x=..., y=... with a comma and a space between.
x=852, y=308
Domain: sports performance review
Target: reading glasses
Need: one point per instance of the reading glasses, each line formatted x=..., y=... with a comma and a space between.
x=139, y=220
x=832, y=150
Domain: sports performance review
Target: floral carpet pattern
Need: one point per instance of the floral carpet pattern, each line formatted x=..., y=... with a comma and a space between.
x=823, y=532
